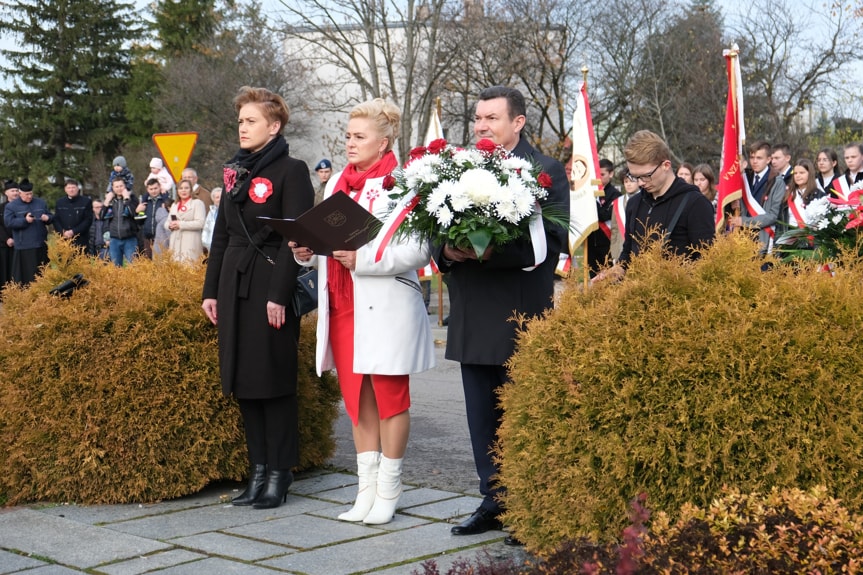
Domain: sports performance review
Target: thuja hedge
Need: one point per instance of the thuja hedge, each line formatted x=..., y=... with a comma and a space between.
x=679, y=380
x=112, y=395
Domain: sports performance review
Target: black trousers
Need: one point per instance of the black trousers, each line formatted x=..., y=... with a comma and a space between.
x=272, y=432
x=484, y=414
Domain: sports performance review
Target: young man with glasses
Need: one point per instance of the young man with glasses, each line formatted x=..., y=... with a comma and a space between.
x=666, y=205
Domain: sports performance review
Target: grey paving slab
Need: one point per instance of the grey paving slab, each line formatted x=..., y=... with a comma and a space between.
x=11, y=562
x=232, y=547
x=149, y=563
x=216, y=566
x=212, y=518
x=305, y=532
x=423, y=496
x=52, y=570
x=323, y=483
x=447, y=510
x=496, y=553
x=384, y=550
x=399, y=522
x=68, y=542
x=100, y=514
x=340, y=495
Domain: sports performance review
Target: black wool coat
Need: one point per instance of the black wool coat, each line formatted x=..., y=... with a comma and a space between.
x=257, y=361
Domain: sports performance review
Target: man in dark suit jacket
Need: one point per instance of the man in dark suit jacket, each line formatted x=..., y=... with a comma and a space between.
x=599, y=240
x=485, y=294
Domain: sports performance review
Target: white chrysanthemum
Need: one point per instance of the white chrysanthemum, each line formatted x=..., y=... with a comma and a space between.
x=524, y=203
x=479, y=186
x=458, y=199
x=463, y=157
x=816, y=211
x=507, y=212
x=438, y=196
x=514, y=163
x=444, y=216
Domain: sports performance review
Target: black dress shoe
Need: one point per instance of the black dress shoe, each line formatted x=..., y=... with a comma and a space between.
x=480, y=522
x=512, y=541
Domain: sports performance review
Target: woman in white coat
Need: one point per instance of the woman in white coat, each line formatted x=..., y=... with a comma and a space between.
x=372, y=324
x=185, y=222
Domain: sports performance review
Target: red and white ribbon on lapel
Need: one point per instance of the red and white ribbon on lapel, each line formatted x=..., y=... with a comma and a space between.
x=392, y=223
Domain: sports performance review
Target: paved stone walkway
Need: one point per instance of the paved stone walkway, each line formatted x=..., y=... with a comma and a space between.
x=205, y=534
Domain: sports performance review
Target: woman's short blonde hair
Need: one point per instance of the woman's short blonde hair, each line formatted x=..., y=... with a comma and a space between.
x=385, y=116
x=272, y=105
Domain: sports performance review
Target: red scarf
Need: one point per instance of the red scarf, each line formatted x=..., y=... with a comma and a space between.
x=352, y=182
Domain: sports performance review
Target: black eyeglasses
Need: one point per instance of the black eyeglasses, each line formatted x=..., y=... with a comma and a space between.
x=645, y=178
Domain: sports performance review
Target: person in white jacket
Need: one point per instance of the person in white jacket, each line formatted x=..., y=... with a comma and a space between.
x=372, y=324
x=185, y=222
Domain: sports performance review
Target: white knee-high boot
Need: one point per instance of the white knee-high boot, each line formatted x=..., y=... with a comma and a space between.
x=367, y=470
x=389, y=491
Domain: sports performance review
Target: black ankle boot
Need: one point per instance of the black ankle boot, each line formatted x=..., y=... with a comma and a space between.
x=276, y=491
x=257, y=480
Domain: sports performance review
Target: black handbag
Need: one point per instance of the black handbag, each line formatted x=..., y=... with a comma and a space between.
x=306, y=292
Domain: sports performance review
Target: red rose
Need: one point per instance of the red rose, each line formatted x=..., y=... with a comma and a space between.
x=544, y=180
x=389, y=182
x=437, y=146
x=486, y=145
x=417, y=152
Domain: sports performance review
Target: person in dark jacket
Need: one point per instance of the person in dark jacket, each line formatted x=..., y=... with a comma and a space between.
x=120, y=204
x=599, y=240
x=98, y=235
x=250, y=281
x=7, y=244
x=28, y=219
x=148, y=207
x=73, y=215
x=666, y=205
x=485, y=295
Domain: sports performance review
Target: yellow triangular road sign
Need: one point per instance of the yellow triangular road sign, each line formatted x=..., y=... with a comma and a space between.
x=176, y=149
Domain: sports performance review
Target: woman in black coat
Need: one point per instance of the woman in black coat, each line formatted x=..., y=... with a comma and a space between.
x=251, y=274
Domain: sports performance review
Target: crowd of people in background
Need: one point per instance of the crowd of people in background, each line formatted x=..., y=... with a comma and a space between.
x=117, y=227
x=779, y=188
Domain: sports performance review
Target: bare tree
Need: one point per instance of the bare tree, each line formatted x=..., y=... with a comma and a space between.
x=365, y=49
x=792, y=57
x=201, y=85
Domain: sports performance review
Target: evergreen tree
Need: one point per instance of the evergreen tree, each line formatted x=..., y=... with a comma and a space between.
x=184, y=26
x=68, y=77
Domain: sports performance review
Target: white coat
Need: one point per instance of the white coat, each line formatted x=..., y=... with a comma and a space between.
x=392, y=335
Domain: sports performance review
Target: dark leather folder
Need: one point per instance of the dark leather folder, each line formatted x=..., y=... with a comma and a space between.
x=337, y=223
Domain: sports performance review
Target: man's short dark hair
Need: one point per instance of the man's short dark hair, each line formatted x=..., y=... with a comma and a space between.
x=152, y=182
x=514, y=99
x=759, y=145
x=853, y=144
x=607, y=164
x=784, y=148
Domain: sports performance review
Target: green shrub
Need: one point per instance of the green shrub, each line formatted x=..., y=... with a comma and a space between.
x=682, y=379
x=113, y=394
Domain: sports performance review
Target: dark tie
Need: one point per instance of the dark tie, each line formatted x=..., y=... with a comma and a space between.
x=755, y=181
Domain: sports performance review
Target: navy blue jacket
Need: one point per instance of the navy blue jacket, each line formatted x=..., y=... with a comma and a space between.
x=27, y=236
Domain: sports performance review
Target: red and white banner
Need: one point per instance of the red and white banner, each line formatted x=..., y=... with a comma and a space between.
x=586, y=185
x=732, y=182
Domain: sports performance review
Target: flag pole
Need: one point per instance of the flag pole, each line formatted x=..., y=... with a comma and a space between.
x=439, y=274
x=584, y=260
